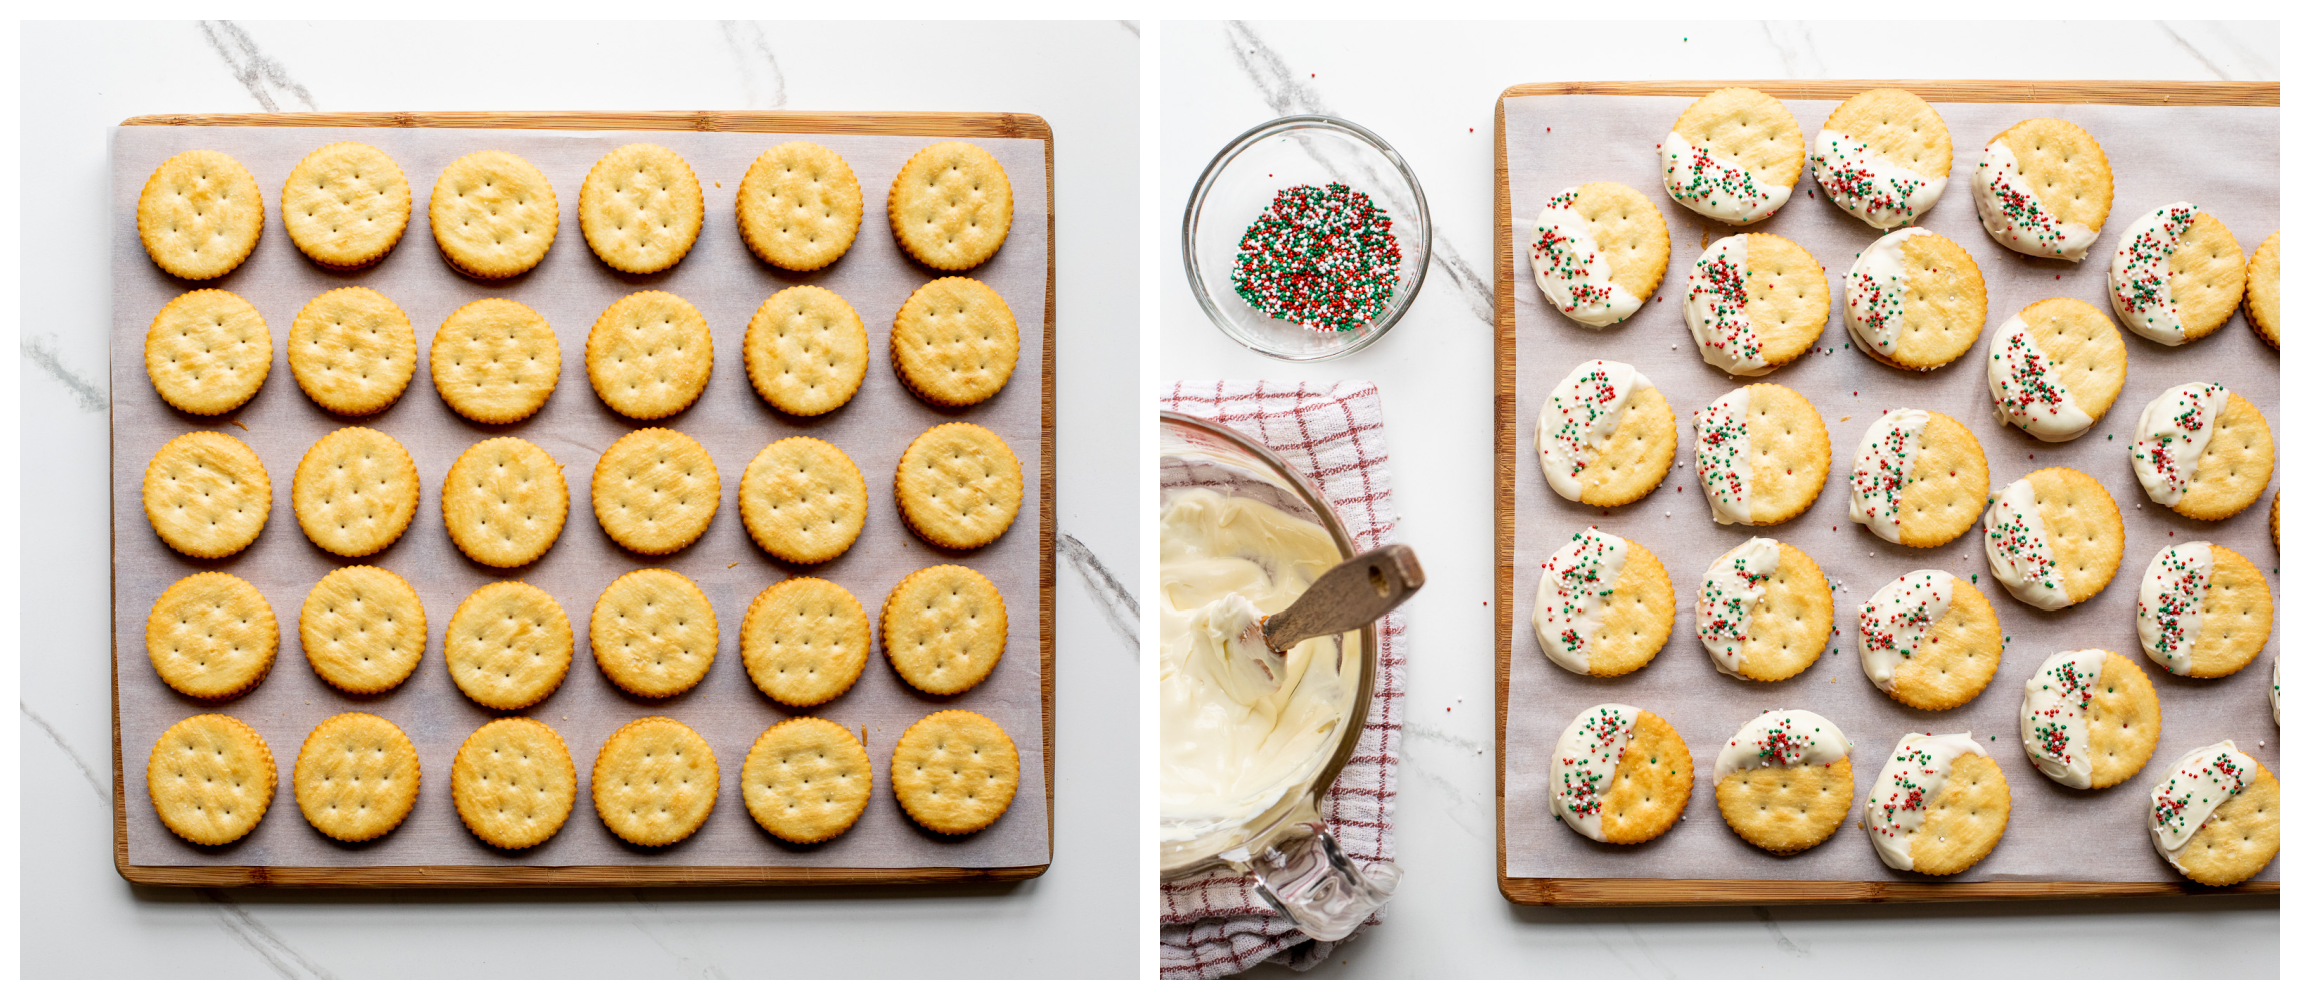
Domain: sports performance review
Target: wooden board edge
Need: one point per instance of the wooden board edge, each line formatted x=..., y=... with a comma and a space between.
x=2179, y=93
x=1658, y=892
x=1725, y=892
x=1046, y=523
x=1504, y=478
x=996, y=125
x=571, y=876
x=1008, y=125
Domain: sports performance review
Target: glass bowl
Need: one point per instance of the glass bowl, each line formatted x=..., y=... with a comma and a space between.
x=1294, y=861
x=1239, y=184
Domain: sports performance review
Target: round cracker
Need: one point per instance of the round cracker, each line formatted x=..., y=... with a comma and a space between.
x=495, y=361
x=208, y=351
x=799, y=206
x=2086, y=355
x=2122, y=722
x=806, y=780
x=2235, y=466
x=207, y=495
x=2083, y=530
x=513, y=783
x=1964, y=819
x=355, y=492
x=1947, y=486
x=508, y=645
x=655, y=781
x=1956, y=658
x=200, y=215
x=803, y=500
x=653, y=633
x=1748, y=130
x=655, y=491
x=211, y=779
x=1630, y=232
x=1636, y=458
x=2203, y=280
x=493, y=214
x=1943, y=306
x=2241, y=837
x=959, y=486
x=345, y=205
x=951, y=205
x=2064, y=167
x=955, y=342
x=1637, y=618
x=356, y=777
x=944, y=628
x=352, y=351
x=1788, y=453
x=1651, y=783
x=363, y=629
x=955, y=772
x=649, y=355
x=641, y=208
x=2264, y=289
x=805, y=641
x=2236, y=617
x=1788, y=298
x=504, y=501
x=1790, y=622
x=806, y=351
x=1785, y=810
x=211, y=636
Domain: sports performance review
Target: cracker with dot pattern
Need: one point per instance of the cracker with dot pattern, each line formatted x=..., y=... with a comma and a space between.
x=2207, y=277
x=1651, y=783
x=211, y=636
x=206, y=494
x=2240, y=837
x=352, y=351
x=799, y=206
x=2083, y=530
x=1947, y=487
x=803, y=500
x=208, y=351
x=951, y=205
x=1955, y=658
x=2085, y=352
x=1944, y=305
x=641, y=208
x=200, y=215
x=504, y=501
x=493, y=214
x=1788, y=453
x=959, y=486
x=1788, y=298
x=806, y=351
x=649, y=355
x=1964, y=819
x=806, y=780
x=1886, y=128
x=1630, y=233
x=955, y=342
x=508, y=645
x=1637, y=456
x=655, y=491
x=2121, y=722
x=654, y=782
x=495, y=361
x=1746, y=130
x=805, y=641
x=1784, y=810
x=955, y=772
x=356, y=777
x=345, y=205
x=1635, y=617
x=355, y=492
x=363, y=629
x=513, y=783
x=2235, y=466
x=1790, y=622
x=2236, y=616
x=2064, y=168
x=653, y=633
x=211, y=779
x=944, y=628
x=2264, y=289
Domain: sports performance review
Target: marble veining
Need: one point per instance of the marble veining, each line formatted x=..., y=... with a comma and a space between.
x=1793, y=42
x=256, y=937
x=267, y=81
x=41, y=351
x=762, y=75
x=87, y=772
x=1118, y=606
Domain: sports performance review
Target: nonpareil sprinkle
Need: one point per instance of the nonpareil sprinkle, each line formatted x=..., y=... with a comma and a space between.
x=1322, y=257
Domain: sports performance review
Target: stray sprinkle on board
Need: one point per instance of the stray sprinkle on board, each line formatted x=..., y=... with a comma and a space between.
x=1322, y=257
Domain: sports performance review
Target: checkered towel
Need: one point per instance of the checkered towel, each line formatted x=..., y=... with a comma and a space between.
x=1216, y=924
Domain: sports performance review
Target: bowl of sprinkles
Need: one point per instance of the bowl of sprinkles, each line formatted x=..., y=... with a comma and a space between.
x=1306, y=238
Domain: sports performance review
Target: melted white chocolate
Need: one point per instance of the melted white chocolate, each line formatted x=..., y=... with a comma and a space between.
x=1580, y=415
x=1905, y=789
x=2053, y=728
x=2019, y=548
x=1782, y=738
x=2196, y=785
x=1581, y=769
x=2174, y=430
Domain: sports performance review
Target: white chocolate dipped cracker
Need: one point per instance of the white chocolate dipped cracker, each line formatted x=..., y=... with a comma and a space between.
x=1619, y=775
x=2204, y=610
x=1733, y=156
x=1883, y=156
x=1603, y=605
x=1928, y=814
x=1755, y=302
x=1915, y=300
x=1760, y=454
x=2203, y=451
x=1919, y=478
x=2214, y=816
x=1597, y=252
x=1606, y=435
x=2176, y=275
x=2053, y=538
x=1929, y=640
x=1784, y=782
x=2043, y=188
x=2055, y=368
x=2089, y=718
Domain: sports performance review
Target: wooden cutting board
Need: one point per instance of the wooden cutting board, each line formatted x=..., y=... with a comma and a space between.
x=955, y=125
x=1637, y=891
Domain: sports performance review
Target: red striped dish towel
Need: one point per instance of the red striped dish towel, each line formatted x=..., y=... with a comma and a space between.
x=1331, y=432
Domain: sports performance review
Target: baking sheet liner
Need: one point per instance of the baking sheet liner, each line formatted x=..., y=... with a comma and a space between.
x=2223, y=159
x=571, y=288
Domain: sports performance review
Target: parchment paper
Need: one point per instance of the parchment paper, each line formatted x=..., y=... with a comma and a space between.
x=2223, y=159
x=571, y=288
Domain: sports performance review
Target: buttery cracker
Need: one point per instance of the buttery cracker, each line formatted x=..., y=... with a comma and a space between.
x=959, y=486
x=1929, y=640
x=495, y=361
x=2055, y=368
x=1915, y=300
x=654, y=782
x=504, y=501
x=363, y=629
x=944, y=628
x=1765, y=612
x=951, y=205
x=641, y=208
x=653, y=633
x=799, y=206
x=805, y=641
x=2264, y=289
x=206, y=494
x=2205, y=611
x=955, y=772
x=806, y=780
x=1883, y=156
x=211, y=636
x=513, y=783
x=1761, y=454
x=2089, y=718
x=355, y=492
x=2215, y=816
x=207, y=352
x=2053, y=538
x=1939, y=805
x=1919, y=478
x=1606, y=436
x=649, y=355
x=2176, y=275
x=1785, y=781
x=955, y=342
x=806, y=351
x=2203, y=451
x=200, y=215
x=1733, y=156
x=1755, y=302
x=352, y=351
x=655, y=491
x=211, y=779
x=493, y=214
x=1598, y=252
x=2043, y=188
x=1620, y=775
x=345, y=205
x=508, y=645
x=803, y=500
x=356, y=777
x=1605, y=605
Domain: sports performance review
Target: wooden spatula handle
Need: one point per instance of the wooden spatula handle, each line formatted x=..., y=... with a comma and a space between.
x=1348, y=596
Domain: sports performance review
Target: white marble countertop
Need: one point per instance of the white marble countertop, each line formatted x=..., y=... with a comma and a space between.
x=81, y=919
x=1429, y=89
